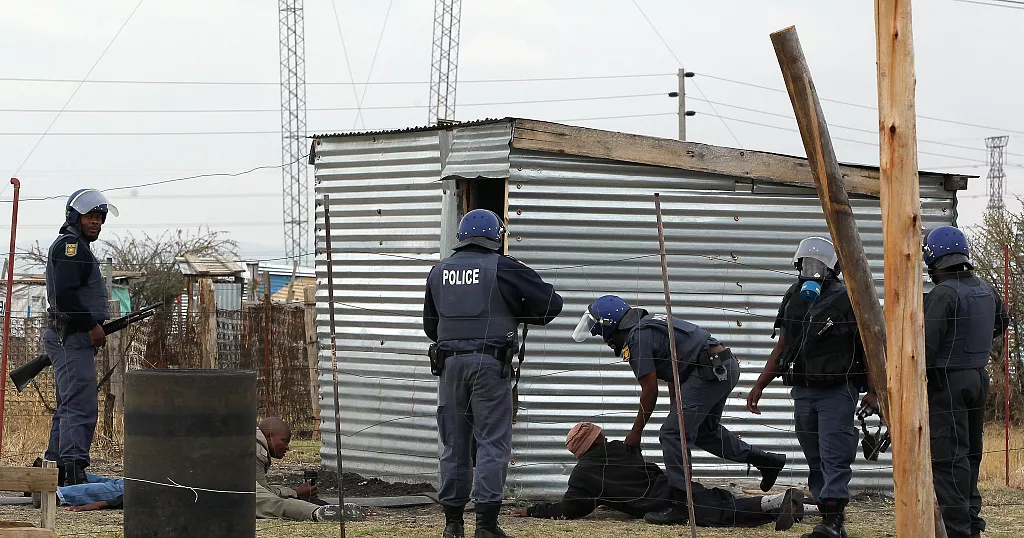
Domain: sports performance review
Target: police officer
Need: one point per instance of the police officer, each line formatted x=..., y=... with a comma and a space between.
x=708, y=371
x=77, y=297
x=820, y=355
x=474, y=301
x=962, y=316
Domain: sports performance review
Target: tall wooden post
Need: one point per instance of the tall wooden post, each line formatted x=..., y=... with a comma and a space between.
x=313, y=354
x=207, y=327
x=113, y=389
x=901, y=235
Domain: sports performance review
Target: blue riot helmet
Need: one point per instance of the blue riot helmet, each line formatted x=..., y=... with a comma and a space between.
x=601, y=318
x=944, y=247
x=480, y=227
x=85, y=201
x=816, y=260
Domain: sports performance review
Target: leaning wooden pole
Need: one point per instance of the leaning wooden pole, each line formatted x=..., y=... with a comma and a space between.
x=835, y=204
x=901, y=237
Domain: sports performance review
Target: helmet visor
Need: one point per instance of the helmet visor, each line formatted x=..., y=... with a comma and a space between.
x=817, y=248
x=585, y=327
x=92, y=200
x=812, y=269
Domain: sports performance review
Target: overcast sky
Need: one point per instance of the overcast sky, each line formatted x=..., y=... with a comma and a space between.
x=965, y=74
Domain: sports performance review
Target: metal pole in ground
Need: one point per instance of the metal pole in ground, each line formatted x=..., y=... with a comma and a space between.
x=334, y=361
x=1006, y=355
x=7, y=310
x=675, y=367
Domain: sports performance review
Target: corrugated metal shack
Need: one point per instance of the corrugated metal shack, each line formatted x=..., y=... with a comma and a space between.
x=580, y=210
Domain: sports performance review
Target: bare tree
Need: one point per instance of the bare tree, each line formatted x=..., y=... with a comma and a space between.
x=1000, y=229
x=153, y=256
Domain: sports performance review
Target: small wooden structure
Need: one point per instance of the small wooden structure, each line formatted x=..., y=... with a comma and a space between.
x=42, y=480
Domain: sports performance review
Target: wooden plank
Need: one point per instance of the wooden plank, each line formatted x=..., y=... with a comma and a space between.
x=48, y=501
x=555, y=138
x=916, y=512
x=27, y=532
x=28, y=479
x=207, y=323
x=313, y=355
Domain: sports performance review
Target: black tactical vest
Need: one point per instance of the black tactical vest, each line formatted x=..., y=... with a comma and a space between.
x=468, y=300
x=821, y=340
x=968, y=342
x=93, y=294
x=691, y=340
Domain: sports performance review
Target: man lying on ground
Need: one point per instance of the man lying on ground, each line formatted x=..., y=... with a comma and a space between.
x=608, y=474
x=98, y=493
x=272, y=439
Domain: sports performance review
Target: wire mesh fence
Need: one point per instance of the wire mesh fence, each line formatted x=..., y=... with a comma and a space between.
x=274, y=346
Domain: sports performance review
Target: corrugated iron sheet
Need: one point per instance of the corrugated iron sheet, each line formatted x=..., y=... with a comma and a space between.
x=588, y=227
x=386, y=223
x=479, y=152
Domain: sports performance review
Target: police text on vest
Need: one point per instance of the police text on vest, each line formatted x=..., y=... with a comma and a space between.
x=460, y=277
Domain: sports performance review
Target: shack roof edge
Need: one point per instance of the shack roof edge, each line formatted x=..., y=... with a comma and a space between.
x=553, y=137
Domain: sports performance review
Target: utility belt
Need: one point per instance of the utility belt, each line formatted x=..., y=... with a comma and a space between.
x=438, y=356
x=711, y=366
x=937, y=376
x=506, y=355
x=60, y=324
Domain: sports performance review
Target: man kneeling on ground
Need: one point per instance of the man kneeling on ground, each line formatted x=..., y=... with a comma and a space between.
x=272, y=439
x=608, y=474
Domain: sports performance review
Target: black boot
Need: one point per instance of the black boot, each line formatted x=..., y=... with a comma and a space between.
x=74, y=473
x=454, y=527
x=791, y=511
x=832, y=517
x=487, y=521
x=677, y=514
x=769, y=463
x=673, y=515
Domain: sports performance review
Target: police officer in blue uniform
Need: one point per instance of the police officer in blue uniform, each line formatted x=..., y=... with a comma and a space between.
x=474, y=301
x=77, y=297
x=708, y=372
x=962, y=314
x=820, y=355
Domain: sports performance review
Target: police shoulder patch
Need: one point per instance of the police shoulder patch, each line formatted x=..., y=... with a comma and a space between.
x=625, y=353
x=513, y=259
x=71, y=249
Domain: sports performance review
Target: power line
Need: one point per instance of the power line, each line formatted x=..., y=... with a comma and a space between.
x=862, y=106
x=164, y=181
x=373, y=62
x=377, y=83
x=680, y=64
x=77, y=87
x=328, y=109
x=1003, y=3
x=858, y=129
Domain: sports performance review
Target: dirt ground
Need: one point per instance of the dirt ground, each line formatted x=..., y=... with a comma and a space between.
x=868, y=515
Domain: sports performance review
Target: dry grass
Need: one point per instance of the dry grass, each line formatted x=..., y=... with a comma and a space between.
x=993, y=463
x=867, y=519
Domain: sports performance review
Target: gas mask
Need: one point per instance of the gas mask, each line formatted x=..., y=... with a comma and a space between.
x=812, y=274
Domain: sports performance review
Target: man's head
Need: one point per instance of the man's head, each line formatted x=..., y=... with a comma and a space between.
x=582, y=437
x=611, y=318
x=278, y=434
x=87, y=210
